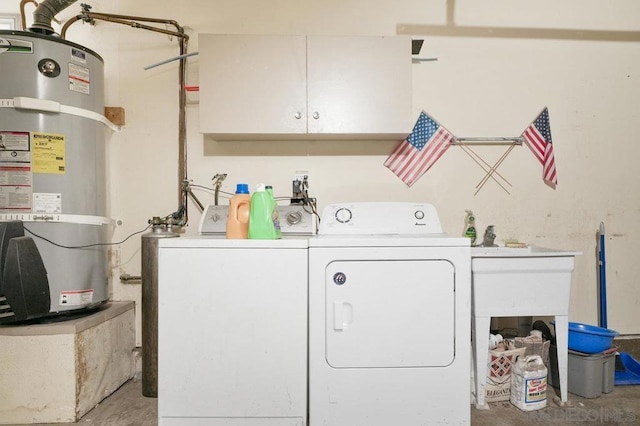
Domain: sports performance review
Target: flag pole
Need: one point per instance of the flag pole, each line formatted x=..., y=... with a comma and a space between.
x=475, y=157
x=466, y=142
x=498, y=140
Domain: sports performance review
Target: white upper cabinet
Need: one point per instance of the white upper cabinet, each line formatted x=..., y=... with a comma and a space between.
x=268, y=87
x=359, y=85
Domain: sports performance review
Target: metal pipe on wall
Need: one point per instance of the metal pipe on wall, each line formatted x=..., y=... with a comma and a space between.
x=182, y=128
x=161, y=227
x=88, y=16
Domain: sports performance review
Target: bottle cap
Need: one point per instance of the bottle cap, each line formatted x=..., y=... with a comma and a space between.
x=260, y=187
x=242, y=188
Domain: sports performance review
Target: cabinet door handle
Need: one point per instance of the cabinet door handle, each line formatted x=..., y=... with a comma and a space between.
x=316, y=115
x=297, y=115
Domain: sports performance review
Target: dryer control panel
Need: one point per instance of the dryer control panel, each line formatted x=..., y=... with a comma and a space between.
x=380, y=218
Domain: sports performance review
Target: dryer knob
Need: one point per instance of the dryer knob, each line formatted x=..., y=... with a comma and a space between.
x=343, y=215
x=419, y=214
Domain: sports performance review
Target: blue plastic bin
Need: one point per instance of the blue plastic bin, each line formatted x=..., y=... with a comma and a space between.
x=590, y=339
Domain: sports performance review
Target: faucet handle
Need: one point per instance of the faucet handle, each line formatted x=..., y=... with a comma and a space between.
x=489, y=237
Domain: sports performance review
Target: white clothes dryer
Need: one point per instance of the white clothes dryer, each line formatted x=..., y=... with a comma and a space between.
x=389, y=318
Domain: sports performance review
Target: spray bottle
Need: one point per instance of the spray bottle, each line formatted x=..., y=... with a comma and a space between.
x=470, y=227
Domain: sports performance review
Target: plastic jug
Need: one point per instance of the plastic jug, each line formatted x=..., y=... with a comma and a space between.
x=261, y=225
x=276, y=214
x=238, y=219
x=529, y=383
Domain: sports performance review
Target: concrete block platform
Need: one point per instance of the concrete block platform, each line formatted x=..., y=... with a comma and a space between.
x=56, y=372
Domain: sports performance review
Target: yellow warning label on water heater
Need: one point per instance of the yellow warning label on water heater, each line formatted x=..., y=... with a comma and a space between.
x=48, y=152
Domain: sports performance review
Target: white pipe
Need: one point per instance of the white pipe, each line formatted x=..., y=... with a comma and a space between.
x=148, y=67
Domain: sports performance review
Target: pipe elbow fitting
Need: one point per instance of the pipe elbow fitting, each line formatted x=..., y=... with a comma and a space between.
x=44, y=14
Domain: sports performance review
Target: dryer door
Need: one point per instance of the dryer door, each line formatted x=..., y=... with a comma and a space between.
x=390, y=313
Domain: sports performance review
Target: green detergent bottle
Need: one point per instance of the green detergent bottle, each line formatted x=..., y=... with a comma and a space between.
x=261, y=215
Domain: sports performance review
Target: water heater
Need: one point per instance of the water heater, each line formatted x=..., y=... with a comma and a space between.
x=52, y=178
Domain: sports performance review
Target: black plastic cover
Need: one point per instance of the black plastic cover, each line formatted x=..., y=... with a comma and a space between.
x=24, y=280
x=8, y=230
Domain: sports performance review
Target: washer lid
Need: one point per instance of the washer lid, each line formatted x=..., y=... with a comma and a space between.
x=224, y=243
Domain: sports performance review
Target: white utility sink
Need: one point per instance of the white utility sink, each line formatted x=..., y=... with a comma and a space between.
x=514, y=282
x=529, y=251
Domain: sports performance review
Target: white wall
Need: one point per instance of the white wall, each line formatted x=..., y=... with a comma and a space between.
x=478, y=87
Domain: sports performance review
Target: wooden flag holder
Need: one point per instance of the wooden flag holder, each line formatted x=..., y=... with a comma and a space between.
x=491, y=171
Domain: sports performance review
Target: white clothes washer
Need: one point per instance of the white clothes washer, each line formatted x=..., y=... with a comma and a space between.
x=232, y=332
x=389, y=318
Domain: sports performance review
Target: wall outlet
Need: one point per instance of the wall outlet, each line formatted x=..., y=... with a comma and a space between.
x=301, y=175
x=299, y=186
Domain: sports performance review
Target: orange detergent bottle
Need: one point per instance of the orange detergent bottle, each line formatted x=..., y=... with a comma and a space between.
x=238, y=220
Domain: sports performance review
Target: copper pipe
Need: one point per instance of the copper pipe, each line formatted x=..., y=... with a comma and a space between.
x=22, y=15
x=67, y=24
x=182, y=132
x=90, y=17
x=140, y=18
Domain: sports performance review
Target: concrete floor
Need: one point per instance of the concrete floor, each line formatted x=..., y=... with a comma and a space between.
x=619, y=407
x=127, y=407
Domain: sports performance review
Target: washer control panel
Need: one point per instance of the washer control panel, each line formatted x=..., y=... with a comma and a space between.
x=294, y=220
x=383, y=218
x=214, y=220
x=297, y=220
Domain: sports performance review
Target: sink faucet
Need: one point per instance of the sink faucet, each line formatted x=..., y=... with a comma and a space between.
x=489, y=237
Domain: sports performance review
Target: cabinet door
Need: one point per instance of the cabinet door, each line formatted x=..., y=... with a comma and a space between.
x=252, y=84
x=359, y=85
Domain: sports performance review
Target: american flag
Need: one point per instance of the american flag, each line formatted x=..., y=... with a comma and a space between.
x=420, y=150
x=538, y=139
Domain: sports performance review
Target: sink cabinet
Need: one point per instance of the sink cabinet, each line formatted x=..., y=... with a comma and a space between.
x=272, y=86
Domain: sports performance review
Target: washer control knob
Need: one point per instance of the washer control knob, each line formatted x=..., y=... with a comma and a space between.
x=215, y=217
x=294, y=218
x=343, y=215
x=419, y=214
